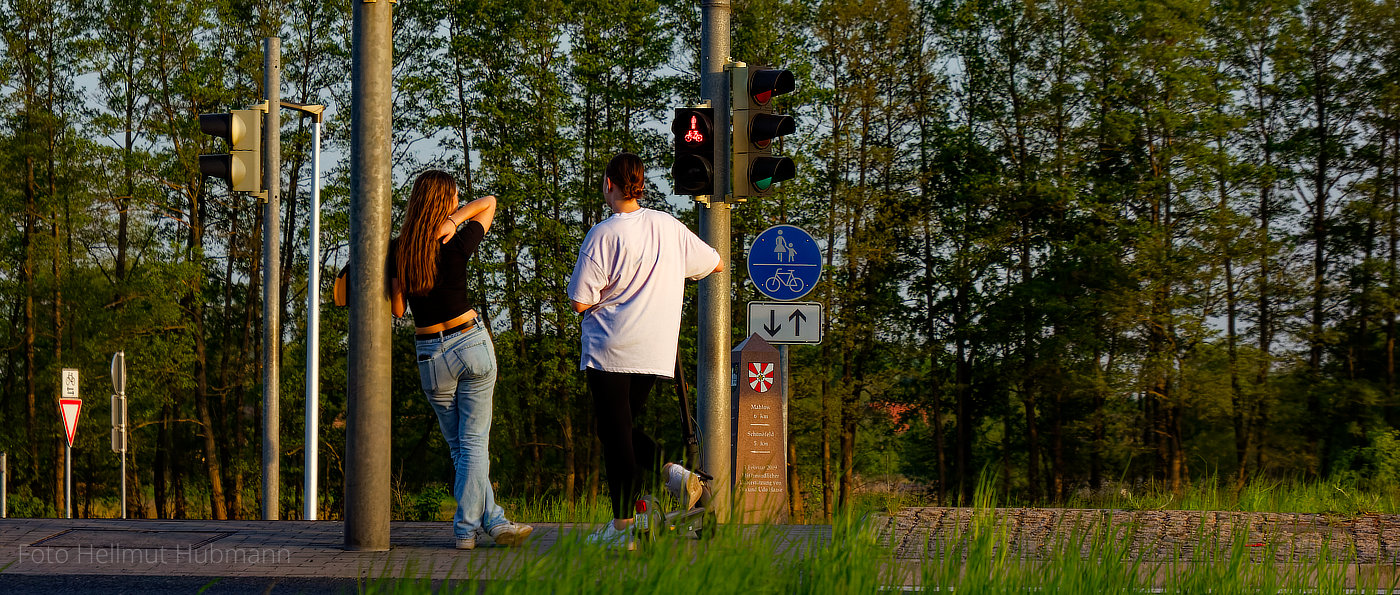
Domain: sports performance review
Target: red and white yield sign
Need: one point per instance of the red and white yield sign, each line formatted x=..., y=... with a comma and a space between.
x=761, y=376
x=68, y=402
x=70, y=408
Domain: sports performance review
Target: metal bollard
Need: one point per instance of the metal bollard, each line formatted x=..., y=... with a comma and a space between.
x=4, y=469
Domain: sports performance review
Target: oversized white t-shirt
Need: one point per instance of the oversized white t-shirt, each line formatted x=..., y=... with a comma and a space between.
x=632, y=267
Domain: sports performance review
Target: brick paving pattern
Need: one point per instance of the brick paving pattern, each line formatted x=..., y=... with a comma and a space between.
x=1157, y=535
x=245, y=549
x=252, y=549
x=302, y=550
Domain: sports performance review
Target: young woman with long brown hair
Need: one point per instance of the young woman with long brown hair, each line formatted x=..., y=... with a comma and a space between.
x=456, y=358
x=628, y=283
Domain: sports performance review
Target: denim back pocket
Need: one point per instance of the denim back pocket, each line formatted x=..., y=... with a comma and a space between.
x=432, y=370
x=477, y=357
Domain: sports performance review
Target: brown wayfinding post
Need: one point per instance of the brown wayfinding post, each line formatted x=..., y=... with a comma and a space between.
x=759, y=432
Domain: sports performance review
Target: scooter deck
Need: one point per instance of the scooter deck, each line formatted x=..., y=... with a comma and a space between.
x=698, y=520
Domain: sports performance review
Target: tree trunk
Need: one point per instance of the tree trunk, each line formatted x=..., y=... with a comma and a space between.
x=59, y=496
x=1057, y=447
x=162, y=470
x=1392, y=408
x=828, y=496
x=570, y=452
x=1317, y=465
x=964, y=396
x=177, y=477
x=1239, y=409
x=794, y=482
x=30, y=322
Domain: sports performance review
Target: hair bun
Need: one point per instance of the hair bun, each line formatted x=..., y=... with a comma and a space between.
x=626, y=171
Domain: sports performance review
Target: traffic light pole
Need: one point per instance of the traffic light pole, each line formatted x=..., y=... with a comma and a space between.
x=272, y=277
x=712, y=379
x=367, y=441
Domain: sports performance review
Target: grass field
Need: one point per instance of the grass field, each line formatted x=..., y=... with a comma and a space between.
x=981, y=559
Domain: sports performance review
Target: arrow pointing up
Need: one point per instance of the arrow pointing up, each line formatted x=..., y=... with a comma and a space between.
x=797, y=317
x=772, y=327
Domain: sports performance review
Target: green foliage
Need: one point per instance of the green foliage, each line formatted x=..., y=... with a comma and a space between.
x=983, y=556
x=1083, y=243
x=427, y=504
x=24, y=505
x=1377, y=464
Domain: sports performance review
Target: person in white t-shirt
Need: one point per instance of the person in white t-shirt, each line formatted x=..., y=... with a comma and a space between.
x=628, y=283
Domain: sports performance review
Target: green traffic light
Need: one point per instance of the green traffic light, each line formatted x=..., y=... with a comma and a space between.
x=764, y=172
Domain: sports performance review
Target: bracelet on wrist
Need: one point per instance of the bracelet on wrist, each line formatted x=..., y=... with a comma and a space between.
x=454, y=221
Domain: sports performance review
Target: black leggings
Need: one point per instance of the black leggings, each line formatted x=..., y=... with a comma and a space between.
x=618, y=398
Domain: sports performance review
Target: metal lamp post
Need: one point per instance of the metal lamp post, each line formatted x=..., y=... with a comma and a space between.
x=313, y=314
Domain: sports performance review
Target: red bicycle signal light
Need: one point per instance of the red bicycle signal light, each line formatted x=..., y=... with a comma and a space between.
x=692, y=125
x=694, y=135
x=692, y=169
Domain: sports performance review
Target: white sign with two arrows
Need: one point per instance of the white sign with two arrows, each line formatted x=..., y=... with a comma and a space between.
x=786, y=322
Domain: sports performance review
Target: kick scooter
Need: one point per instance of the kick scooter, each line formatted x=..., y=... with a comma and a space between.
x=652, y=520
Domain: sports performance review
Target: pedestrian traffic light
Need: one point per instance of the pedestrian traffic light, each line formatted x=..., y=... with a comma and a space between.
x=693, y=169
x=756, y=169
x=242, y=165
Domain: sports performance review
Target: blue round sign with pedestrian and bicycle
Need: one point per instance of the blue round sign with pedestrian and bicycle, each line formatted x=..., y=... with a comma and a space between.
x=784, y=262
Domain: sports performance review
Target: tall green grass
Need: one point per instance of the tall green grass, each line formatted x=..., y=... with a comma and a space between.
x=1338, y=495
x=749, y=559
x=981, y=557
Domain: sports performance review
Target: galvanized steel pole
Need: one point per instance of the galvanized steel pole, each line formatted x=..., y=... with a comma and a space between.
x=712, y=379
x=68, y=479
x=367, y=441
x=123, y=432
x=272, y=276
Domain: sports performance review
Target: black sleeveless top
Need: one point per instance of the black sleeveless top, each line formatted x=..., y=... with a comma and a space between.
x=449, y=297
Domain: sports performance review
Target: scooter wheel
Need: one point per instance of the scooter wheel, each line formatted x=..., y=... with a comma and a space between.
x=649, y=519
x=708, y=525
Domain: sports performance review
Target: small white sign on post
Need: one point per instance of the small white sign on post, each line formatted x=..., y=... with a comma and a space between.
x=70, y=384
x=782, y=323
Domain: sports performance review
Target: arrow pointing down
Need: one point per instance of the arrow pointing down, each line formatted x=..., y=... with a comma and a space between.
x=797, y=317
x=772, y=327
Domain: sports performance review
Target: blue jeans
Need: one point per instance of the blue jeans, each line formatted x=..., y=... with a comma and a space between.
x=458, y=374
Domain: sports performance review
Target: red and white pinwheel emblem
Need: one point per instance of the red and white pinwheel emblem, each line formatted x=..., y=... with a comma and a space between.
x=761, y=376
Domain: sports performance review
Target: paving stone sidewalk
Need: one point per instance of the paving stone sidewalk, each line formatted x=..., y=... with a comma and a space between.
x=251, y=549
x=1155, y=535
x=234, y=551
x=88, y=556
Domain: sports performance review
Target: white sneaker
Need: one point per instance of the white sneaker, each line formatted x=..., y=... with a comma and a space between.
x=683, y=485
x=611, y=537
x=510, y=534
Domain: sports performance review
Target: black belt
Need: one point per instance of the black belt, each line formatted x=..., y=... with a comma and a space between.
x=465, y=326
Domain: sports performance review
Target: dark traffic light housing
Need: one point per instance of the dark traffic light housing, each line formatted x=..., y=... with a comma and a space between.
x=242, y=165
x=756, y=125
x=693, y=169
